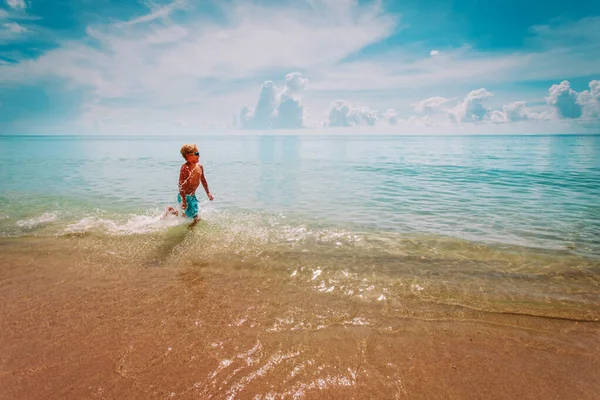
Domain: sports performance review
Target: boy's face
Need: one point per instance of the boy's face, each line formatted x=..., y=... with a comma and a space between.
x=194, y=156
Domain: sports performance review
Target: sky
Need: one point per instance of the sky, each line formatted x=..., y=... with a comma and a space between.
x=186, y=67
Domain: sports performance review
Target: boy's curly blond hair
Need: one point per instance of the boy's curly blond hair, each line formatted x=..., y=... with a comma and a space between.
x=188, y=148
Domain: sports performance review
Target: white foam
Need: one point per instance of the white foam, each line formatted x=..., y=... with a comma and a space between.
x=137, y=224
x=33, y=222
x=302, y=233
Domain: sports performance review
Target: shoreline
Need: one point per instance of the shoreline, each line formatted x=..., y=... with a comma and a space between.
x=78, y=325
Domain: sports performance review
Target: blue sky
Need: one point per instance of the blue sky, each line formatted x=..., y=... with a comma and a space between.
x=112, y=67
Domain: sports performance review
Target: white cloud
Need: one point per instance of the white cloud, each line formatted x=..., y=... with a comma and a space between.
x=564, y=99
x=290, y=113
x=556, y=52
x=11, y=32
x=156, y=63
x=421, y=121
x=266, y=108
x=157, y=13
x=256, y=39
x=469, y=109
x=434, y=53
x=584, y=32
x=245, y=117
x=294, y=85
x=472, y=108
x=431, y=105
x=517, y=111
x=17, y=15
x=343, y=113
x=590, y=101
x=569, y=104
x=16, y=4
x=13, y=27
x=277, y=111
x=391, y=116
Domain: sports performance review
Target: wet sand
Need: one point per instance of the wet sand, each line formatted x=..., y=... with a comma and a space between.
x=75, y=325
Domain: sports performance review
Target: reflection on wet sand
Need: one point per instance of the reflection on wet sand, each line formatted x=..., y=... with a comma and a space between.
x=77, y=322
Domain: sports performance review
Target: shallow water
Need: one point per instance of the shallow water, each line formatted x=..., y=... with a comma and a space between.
x=496, y=223
x=411, y=274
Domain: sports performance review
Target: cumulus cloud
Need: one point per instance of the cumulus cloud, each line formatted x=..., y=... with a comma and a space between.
x=273, y=111
x=589, y=100
x=564, y=100
x=469, y=109
x=291, y=113
x=515, y=112
x=338, y=112
x=419, y=120
x=431, y=105
x=441, y=111
x=294, y=85
x=434, y=53
x=391, y=116
x=343, y=113
x=266, y=107
x=472, y=108
x=245, y=117
x=567, y=103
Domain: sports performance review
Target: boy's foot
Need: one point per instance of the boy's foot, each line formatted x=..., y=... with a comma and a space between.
x=194, y=222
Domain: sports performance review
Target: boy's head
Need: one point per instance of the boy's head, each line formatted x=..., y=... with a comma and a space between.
x=188, y=150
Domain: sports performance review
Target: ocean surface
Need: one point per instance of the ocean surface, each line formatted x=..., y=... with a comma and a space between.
x=497, y=223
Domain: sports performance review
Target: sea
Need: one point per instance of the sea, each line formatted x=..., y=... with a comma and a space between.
x=502, y=224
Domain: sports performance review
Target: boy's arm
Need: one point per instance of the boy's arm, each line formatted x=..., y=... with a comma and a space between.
x=184, y=174
x=204, y=183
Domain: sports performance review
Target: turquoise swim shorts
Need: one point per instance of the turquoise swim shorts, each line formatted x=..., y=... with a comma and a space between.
x=191, y=209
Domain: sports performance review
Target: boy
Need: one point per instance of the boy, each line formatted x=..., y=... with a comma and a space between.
x=190, y=177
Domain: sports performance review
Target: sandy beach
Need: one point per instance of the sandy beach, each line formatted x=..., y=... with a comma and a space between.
x=75, y=325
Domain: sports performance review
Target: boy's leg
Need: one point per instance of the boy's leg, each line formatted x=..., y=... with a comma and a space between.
x=170, y=210
x=193, y=210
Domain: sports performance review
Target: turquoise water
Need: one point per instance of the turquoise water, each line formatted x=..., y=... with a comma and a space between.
x=495, y=223
x=533, y=191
